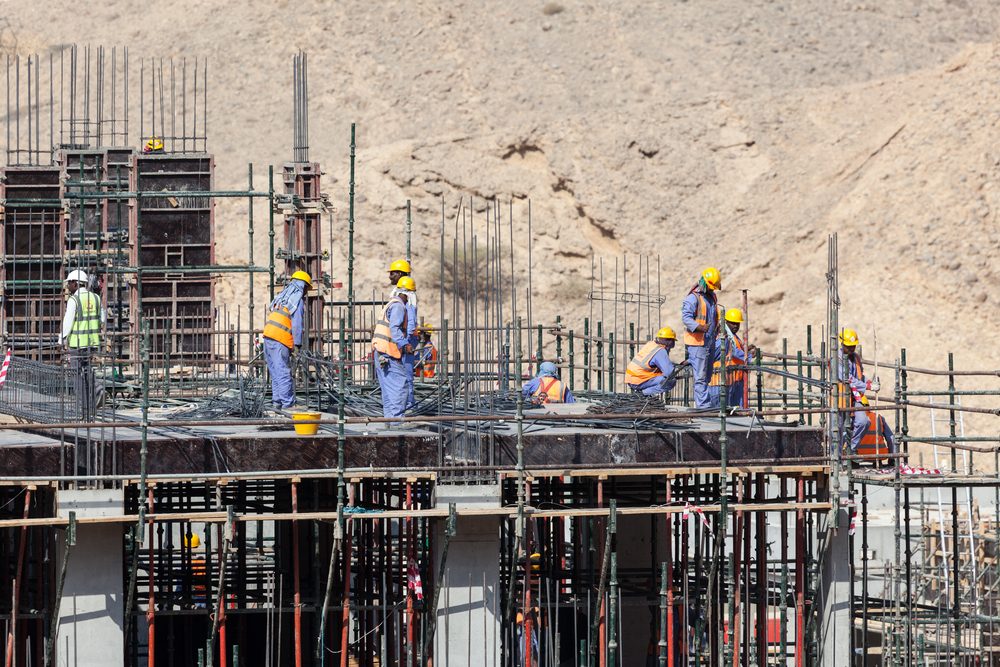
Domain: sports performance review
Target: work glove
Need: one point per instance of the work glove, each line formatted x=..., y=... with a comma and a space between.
x=873, y=385
x=408, y=349
x=383, y=361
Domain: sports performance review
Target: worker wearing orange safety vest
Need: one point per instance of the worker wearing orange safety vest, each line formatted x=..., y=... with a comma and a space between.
x=651, y=371
x=427, y=354
x=546, y=387
x=390, y=343
x=852, y=387
x=730, y=347
x=700, y=315
x=283, y=333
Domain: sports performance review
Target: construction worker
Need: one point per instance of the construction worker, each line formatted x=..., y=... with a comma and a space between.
x=546, y=387
x=283, y=334
x=730, y=346
x=81, y=336
x=651, y=371
x=426, y=354
x=197, y=576
x=701, y=323
x=397, y=271
x=852, y=386
x=390, y=343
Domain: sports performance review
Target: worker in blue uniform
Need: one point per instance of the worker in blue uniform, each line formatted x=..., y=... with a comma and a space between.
x=651, y=372
x=546, y=387
x=390, y=343
x=700, y=314
x=282, y=334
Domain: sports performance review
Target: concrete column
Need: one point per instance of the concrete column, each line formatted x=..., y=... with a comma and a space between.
x=470, y=607
x=91, y=627
x=835, y=596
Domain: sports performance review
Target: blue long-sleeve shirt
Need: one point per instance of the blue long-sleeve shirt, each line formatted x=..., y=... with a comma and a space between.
x=661, y=361
x=297, y=324
x=848, y=373
x=690, y=307
x=411, y=324
x=723, y=345
x=531, y=386
x=396, y=316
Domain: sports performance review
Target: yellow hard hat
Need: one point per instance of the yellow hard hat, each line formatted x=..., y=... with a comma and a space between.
x=400, y=265
x=304, y=277
x=734, y=315
x=426, y=328
x=666, y=332
x=153, y=145
x=849, y=337
x=192, y=541
x=712, y=278
x=406, y=282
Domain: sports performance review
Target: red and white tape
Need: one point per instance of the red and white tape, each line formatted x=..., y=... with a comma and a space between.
x=5, y=367
x=689, y=508
x=413, y=580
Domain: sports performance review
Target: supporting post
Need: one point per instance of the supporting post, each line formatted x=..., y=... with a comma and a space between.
x=50, y=642
x=11, y=653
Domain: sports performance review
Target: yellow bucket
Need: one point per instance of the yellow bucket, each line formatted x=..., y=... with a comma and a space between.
x=306, y=429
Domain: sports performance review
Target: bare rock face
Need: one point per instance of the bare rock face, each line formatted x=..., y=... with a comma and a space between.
x=737, y=134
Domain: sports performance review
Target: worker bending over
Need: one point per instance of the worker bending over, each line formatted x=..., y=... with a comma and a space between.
x=852, y=386
x=426, y=353
x=701, y=323
x=651, y=372
x=730, y=347
x=282, y=334
x=389, y=345
x=546, y=387
x=81, y=335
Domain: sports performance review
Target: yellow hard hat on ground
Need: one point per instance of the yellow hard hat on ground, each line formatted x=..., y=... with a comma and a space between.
x=192, y=541
x=712, y=278
x=734, y=315
x=406, y=282
x=849, y=337
x=400, y=265
x=303, y=276
x=666, y=332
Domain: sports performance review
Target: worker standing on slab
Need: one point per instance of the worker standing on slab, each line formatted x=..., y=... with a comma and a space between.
x=546, y=387
x=390, y=343
x=730, y=347
x=651, y=371
x=399, y=270
x=426, y=353
x=81, y=336
x=700, y=314
x=852, y=386
x=283, y=334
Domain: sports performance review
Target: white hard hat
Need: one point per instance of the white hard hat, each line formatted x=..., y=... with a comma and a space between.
x=78, y=275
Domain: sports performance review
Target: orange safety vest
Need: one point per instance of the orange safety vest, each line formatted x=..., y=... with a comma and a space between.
x=639, y=370
x=697, y=338
x=873, y=442
x=846, y=394
x=733, y=376
x=279, y=326
x=382, y=335
x=427, y=368
x=553, y=392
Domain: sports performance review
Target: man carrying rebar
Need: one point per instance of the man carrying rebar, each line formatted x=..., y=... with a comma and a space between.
x=701, y=323
x=390, y=342
x=851, y=387
x=81, y=335
x=651, y=371
x=730, y=347
x=546, y=387
x=283, y=334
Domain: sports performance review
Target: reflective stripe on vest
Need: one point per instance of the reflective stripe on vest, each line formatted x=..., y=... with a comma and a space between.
x=846, y=399
x=639, y=369
x=553, y=392
x=279, y=327
x=733, y=376
x=873, y=442
x=697, y=338
x=382, y=340
x=86, y=331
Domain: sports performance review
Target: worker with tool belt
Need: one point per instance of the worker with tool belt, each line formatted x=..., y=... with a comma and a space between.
x=701, y=323
x=81, y=334
x=852, y=387
x=650, y=371
x=282, y=334
x=390, y=343
x=546, y=387
x=729, y=346
x=426, y=353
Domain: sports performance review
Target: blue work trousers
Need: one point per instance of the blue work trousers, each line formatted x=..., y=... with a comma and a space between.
x=734, y=395
x=653, y=386
x=409, y=362
x=858, y=424
x=392, y=379
x=279, y=365
x=701, y=371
